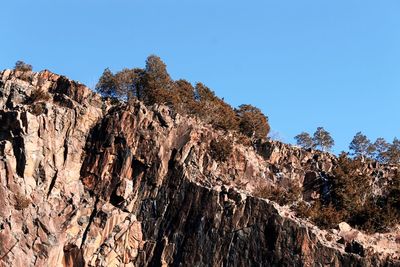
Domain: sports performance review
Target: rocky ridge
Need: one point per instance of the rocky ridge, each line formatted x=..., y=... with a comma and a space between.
x=87, y=183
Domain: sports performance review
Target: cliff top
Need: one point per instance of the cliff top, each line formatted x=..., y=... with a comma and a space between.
x=64, y=149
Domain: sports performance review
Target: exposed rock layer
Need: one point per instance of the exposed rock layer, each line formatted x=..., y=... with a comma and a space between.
x=87, y=184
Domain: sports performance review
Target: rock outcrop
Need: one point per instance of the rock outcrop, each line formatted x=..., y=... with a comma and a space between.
x=87, y=183
x=312, y=169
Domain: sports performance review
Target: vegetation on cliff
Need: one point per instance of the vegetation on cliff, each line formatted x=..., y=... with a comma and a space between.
x=352, y=199
x=153, y=85
x=360, y=147
x=351, y=196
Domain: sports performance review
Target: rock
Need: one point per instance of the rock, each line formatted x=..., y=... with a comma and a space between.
x=344, y=227
x=136, y=186
x=355, y=248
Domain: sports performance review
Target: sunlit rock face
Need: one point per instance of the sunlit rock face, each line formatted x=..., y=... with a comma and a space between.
x=85, y=183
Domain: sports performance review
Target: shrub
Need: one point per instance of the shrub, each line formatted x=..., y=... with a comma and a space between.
x=303, y=209
x=243, y=139
x=221, y=150
x=352, y=201
x=38, y=95
x=350, y=187
x=22, y=66
x=278, y=194
x=37, y=109
x=22, y=202
x=325, y=217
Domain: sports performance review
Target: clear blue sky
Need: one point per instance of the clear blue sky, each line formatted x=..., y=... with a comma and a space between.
x=305, y=63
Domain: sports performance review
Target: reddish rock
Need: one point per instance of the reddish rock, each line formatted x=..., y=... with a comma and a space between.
x=136, y=186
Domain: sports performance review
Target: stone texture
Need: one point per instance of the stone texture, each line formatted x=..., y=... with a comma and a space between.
x=312, y=169
x=85, y=183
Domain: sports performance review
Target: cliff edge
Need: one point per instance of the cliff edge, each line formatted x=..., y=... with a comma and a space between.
x=87, y=183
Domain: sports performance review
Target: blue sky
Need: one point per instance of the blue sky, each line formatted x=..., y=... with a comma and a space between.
x=305, y=63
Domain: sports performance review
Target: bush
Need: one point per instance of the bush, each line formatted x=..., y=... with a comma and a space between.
x=221, y=150
x=22, y=66
x=352, y=201
x=38, y=95
x=279, y=194
x=22, y=202
x=37, y=109
x=325, y=217
x=243, y=139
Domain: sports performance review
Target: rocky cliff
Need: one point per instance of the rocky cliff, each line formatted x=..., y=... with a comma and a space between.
x=87, y=183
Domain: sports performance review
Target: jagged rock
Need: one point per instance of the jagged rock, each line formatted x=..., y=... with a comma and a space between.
x=355, y=248
x=85, y=183
x=312, y=169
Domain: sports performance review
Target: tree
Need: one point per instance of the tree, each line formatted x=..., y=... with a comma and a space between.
x=323, y=139
x=304, y=140
x=106, y=86
x=361, y=146
x=252, y=122
x=22, y=66
x=393, y=152
x=184, y=97
x=381, y=148
x=350, y=188
x=125, y=82
x=156, y=82
x=214, y=110
x=393, y=188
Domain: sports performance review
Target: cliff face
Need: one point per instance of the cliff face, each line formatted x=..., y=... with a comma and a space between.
x=312, y=169
x=84, y=183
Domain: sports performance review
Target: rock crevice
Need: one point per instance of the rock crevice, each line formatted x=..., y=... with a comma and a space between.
x=85, y=183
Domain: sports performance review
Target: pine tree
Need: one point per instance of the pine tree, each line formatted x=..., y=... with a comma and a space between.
x=393, y=152
x=125, y=82
x=106, y=86
x=361, y=146
x=252, y=122
x=157, y=82
x=323, y=139
x=214, y=110
x=304, y=140
x=381, y=148
x=184, y=101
